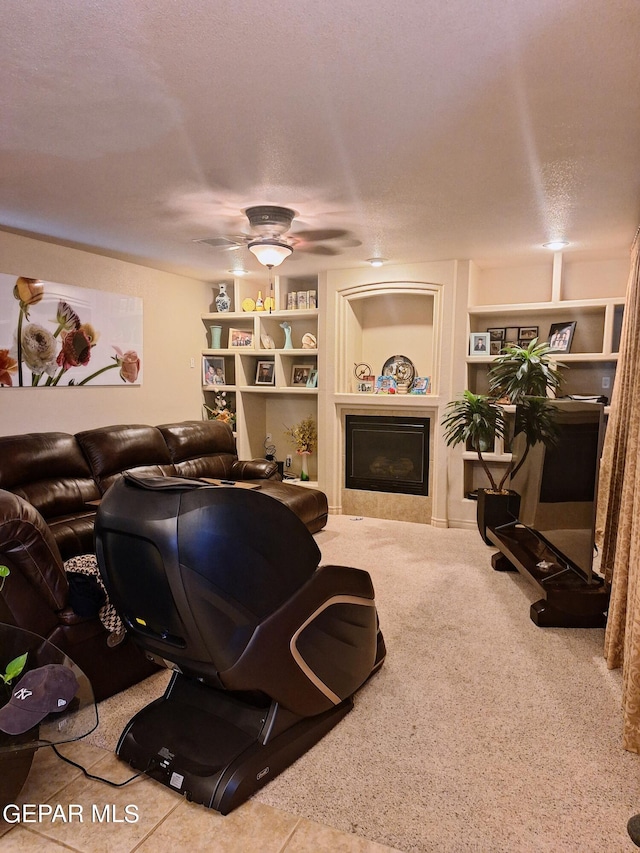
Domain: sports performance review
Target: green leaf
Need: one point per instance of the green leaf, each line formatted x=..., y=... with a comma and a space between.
x=14, y=668
x=4, y=572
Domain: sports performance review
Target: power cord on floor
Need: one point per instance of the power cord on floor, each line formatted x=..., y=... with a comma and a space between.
x=90, y=775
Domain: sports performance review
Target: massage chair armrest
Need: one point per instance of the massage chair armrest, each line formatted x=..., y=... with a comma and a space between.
x=324, y=640
x=27, y=544
x=254, y=469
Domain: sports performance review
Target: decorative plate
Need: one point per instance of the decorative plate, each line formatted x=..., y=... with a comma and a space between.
x=269, y=304
x=401, y=368
x=248, y=304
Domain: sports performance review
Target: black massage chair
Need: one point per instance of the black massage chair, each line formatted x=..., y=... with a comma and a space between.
x=222, y=584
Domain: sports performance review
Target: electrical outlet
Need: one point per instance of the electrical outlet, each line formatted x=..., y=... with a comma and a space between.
x=268, y=438
x=289, y=461
x=193, y=362
x=606, y=382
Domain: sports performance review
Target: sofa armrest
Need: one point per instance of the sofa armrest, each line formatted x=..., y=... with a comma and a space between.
x=28, y=544
x=254, y=469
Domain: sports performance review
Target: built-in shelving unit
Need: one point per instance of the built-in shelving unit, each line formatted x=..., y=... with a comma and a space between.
x=270, y=386
x=592, y=360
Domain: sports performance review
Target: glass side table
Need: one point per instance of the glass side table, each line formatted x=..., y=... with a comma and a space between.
x=76, y=721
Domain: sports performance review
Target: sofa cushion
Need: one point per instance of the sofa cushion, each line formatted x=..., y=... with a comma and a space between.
x=200, y=448
x=113, y=449
x=49, y=471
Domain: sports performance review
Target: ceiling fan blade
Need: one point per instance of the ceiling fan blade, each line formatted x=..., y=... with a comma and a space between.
x=320, y=234
x=318, y=250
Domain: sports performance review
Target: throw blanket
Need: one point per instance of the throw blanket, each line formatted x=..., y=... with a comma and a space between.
x=88, y=565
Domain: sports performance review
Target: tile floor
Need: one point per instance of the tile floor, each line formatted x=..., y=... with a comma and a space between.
x=166, y=822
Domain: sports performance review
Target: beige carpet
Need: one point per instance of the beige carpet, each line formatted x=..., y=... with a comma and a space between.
x=480, y=733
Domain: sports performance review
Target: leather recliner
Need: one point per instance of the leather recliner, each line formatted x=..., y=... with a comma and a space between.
x=223, y=585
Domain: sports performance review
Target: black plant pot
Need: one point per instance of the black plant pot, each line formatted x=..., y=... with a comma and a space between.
x=494, y=509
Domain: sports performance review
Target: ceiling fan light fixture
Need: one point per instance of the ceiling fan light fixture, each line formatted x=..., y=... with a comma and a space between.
x=376, y=262
x=270, y=253
x=555, y=245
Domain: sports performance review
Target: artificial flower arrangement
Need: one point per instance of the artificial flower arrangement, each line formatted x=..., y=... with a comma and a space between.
x=304, y=435
x=49, y=355
x=222, y=410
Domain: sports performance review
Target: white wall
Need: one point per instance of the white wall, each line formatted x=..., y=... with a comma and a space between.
x=173, y=334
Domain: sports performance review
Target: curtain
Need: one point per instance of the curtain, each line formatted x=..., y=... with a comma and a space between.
x=618, y=521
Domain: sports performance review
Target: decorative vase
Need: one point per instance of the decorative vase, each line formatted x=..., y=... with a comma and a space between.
x=259, y=302
x=216, y=332
x=223, y=302
x=304, y=473
x=287, y=335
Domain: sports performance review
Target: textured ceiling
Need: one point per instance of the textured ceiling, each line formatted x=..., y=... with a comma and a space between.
x=425, y=130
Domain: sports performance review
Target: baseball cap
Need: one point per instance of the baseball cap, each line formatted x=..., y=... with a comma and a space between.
x=39, y=692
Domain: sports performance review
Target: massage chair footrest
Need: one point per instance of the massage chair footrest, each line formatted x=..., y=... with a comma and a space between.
x=208, y=745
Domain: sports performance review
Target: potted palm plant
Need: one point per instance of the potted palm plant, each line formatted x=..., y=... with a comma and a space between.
x=520, y=375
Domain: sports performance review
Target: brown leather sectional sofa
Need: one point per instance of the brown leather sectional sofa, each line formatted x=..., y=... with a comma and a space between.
x=51, y=484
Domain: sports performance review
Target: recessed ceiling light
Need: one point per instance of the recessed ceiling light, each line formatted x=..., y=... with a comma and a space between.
x=376, y=262
x=239, y=272
x=554, y=245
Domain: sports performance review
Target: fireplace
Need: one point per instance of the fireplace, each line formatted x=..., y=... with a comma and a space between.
x=387, y=454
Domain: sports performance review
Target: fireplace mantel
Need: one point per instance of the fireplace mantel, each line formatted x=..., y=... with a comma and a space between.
x=379, y=314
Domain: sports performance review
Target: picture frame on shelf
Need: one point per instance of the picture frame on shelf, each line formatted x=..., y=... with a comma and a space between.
x=213, y=370
x=479, y=344
x=421, y=385
x=300, y=375
x=526, y=334
x=265, y=373
x=561, y=336
x=365, y=384
x=386, y=385
x=241, y=338
x=497, y=334
x=312, y=381
x=496, y=340
x=511, y=336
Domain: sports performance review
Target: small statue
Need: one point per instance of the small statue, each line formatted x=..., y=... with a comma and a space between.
x=287, y=335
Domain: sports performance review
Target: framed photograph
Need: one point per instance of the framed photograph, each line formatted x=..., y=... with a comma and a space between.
x=365, y=384
x=312, y=381
x=300, y=374
x=496, y=334
x=561, y=335
x=495, y=347
x=511, y=336
x=421, y=385
x=386, y=385
x=527, y=333
x=265, y=373
x=479, y=343
x=241, y=338
x=213, y=370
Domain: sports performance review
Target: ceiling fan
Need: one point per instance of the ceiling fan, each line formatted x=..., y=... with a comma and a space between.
x=268, y=224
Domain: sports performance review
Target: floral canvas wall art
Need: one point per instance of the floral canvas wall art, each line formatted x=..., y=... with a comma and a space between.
x=58, y=335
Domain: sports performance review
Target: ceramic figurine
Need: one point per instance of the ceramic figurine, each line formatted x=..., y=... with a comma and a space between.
x=287, y=335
